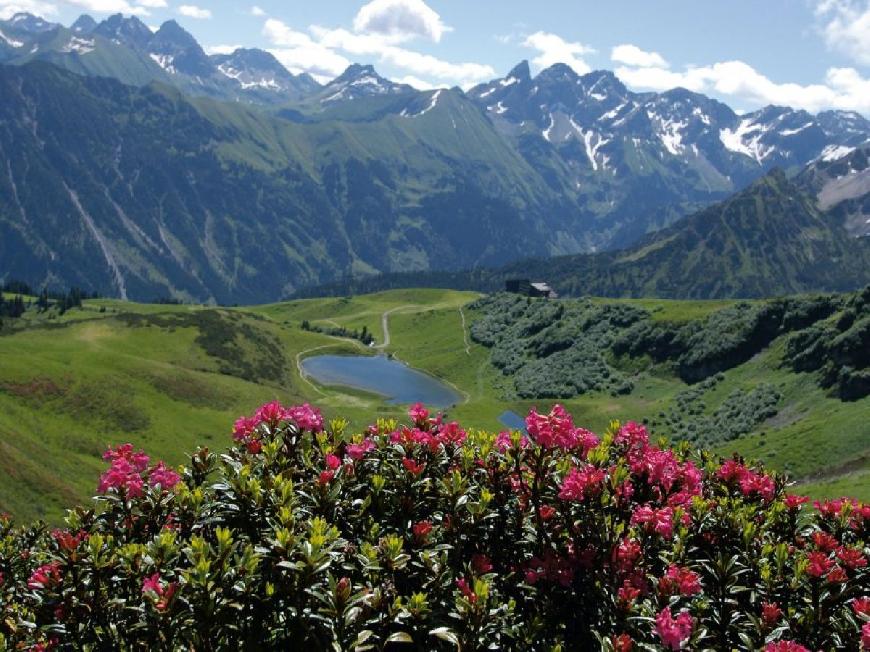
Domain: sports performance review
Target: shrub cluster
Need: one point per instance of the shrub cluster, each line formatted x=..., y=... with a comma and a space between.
x=426, y=536
x=688, y=417
x=838, y=349
x=554, y=349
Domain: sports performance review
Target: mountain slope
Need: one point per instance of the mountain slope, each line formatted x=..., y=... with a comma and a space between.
x=144, y=192
x=770, y=239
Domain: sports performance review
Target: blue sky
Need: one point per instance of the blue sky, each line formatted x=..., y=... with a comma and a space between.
x=813, y=54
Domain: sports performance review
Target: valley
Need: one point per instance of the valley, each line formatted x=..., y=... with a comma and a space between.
x=170, y=377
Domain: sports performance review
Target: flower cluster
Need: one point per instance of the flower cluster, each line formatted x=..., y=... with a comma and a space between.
x=431, y=536
x=129, y=473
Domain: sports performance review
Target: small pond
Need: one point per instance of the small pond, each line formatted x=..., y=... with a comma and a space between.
x=512, y=420
x=396, y=382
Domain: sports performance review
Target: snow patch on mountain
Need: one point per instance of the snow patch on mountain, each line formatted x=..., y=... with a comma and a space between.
x=834, y=152
x=165, y=61
x=79, y=45
x=792, y=132
x=10, y=41
x=746, y=139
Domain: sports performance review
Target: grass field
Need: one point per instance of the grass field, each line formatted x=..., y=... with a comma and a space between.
x=168, y=378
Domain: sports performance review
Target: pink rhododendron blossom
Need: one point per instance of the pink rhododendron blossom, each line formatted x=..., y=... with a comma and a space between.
x=673, y=631
x=865, y=636
x=415, y=468
x=422, y=530
x=306, y=417
x=785, y=646
x=582, y=483
x=45, y=576
x=819, y=564
x=418, y=414
x=793, y=502
x=503, y=441
x=825, y=542
x=556, y=429
x=851, y=558
x=771, y=613
x=357, y=451
x=332, y=462
x=679, y=581
x=159, y=590
x=163, y=476
x=861, y=606
x=481, y=564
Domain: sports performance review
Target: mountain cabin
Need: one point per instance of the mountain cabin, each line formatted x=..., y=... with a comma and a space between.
x=527, y=288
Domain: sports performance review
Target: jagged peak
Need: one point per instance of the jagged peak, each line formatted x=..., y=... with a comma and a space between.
x=521, y=71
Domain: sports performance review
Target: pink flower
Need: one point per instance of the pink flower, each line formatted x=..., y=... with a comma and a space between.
x=270, y=413
x=793, y=502
x=626, y=554
x=632, y=435
x=415, y=468
x=851, y=558
x=556, y=429
x=244, y=428
x=580, y=484
x=865, y=636
x=503, y=441
x=465, y=589
x=673, y=631
x=332, y=462
x=357, y=451
x=163, y=476
x=125, y=471
x=825, y=542
x=785, y=646
x=770, y=613
x=325, y=477
x=627, y=594
x=305, y=417
x=679, y=581
x=45, y=576
x=861, y=606
x=137, y=460
x=622, y=643
x=418, y=414
x=660, y=521
x=158, y=589
x=481, y=564
x=422, y=530
x=819, y=564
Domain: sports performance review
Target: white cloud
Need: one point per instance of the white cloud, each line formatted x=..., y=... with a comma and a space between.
x=416, y=63
x=846, y=27
x=221, y=49
x=844, y=88
x=298, y=52
x=9, y=8
x=631, y=55
x=555, y=49
x=400, y=20
x=152, y=4
x=192, y=11
x=257, y=11
x=110, y=7
x=318, y=52
x=419, y=84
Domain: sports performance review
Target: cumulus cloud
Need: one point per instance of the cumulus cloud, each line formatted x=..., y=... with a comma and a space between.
x=9, y=8
x=843, y=88
x=318, y=51
x=419, y=84
x=631, y=55
x=110, y=7
x=258, y=11
x=298, y=52
x=554, y=49
x=192, y=11
x=416, y=63
x=845, y=25
x=152, y=4
x=400, y=20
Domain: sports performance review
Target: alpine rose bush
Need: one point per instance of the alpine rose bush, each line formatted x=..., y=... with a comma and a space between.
x=428, y=536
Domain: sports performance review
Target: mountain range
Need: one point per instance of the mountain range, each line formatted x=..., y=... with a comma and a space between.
x=137, y=165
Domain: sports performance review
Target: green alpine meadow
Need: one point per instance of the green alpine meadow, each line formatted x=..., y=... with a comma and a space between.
x=422, y=325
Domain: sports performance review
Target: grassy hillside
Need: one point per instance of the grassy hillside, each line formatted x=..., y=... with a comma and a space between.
x=169, y=377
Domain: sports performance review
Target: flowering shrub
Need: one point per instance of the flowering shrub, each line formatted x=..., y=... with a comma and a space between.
x=427, y=536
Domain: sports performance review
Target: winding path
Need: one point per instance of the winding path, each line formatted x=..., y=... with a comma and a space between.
x=385, y=326
x=465, y=333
